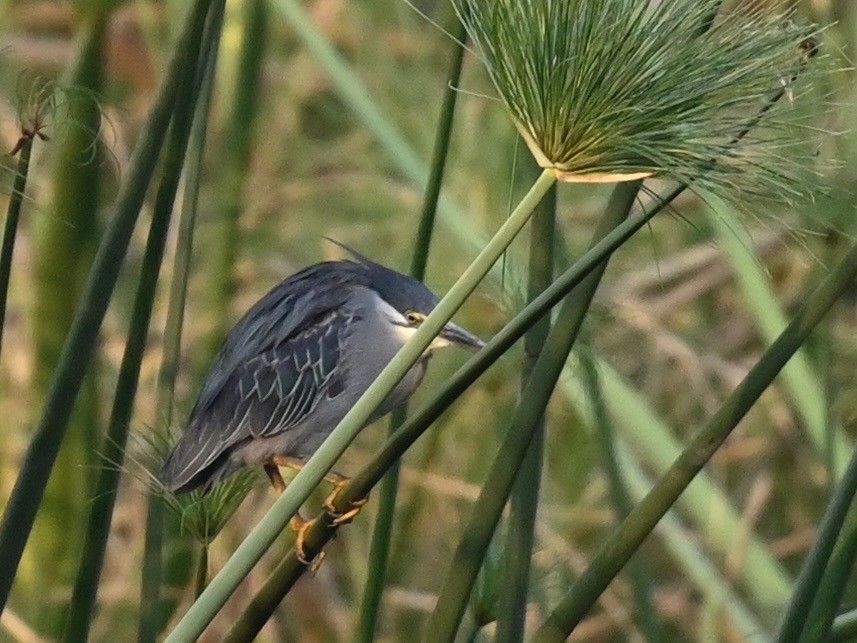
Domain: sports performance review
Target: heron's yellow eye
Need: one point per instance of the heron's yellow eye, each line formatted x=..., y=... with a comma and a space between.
x=414, y=318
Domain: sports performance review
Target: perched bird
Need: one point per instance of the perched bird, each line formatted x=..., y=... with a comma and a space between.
x=296, y=363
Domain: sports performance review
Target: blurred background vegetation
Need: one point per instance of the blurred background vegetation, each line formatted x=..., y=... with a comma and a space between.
x=685, y=309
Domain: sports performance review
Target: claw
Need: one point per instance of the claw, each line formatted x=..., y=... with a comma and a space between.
x=301, y=525
x=348, y=516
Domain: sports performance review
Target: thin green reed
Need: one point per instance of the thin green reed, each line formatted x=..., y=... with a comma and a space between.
x=194, y=118
x=379, y=551
x=461, y=575
x=524, y=499
x=10, y=230
x=29, y=488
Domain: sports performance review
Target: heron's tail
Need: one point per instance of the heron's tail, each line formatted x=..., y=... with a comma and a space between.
x=177, y=478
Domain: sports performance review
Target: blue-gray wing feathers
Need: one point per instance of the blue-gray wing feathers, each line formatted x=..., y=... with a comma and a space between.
x=275, y=366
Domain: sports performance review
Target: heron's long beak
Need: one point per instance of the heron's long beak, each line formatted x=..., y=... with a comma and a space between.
x=454, y=334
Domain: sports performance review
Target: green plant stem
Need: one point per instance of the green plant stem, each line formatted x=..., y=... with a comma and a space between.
x=379, y=551
x=10, y=230
x=839, y=570
x=85, y=587
x=236, y=160
x=620, y=496
x=486, y=512
x=30, y=486
x=844, y=627
x=287, y=505
x=287, y=572
x=201, y=570
x=151, y=619
x=152, y=565
x=619, y=548
x=812, y=571
x=524, y=500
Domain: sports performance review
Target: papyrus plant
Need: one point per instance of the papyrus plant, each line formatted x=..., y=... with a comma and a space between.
x=614, y=90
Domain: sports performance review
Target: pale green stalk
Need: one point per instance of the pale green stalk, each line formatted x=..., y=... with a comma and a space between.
x=379, y=551
x=287, y=505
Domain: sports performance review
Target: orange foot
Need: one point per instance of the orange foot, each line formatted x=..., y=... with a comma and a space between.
x=300, y=526
x=356, y=505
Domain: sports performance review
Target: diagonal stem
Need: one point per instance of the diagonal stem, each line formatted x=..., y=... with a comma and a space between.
x=29, y=488
x=266, y=531
x=616, y=552
x=444, y=621
x=379, y=551
x=10, y=230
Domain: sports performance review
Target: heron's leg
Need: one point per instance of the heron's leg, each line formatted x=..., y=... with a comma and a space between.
x=276, y=479
x=296, y=464
x=339, y=483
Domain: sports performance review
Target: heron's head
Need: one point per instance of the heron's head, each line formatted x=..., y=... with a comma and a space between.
x=408, y=302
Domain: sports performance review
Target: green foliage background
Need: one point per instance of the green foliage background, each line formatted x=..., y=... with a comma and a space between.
x=675, y=325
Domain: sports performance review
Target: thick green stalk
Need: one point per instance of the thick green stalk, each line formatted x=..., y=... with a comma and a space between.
x=30, y=486
x=290, y=568
x=64, y=247
x=236, y=160
x=839, y=571
x=379, y=552
x=524, y=500
x=812, y=571
x=620, y=496
x=762, y=577
x=154, y=612
x=486, y=512
x=82, y=605
x=10, y=230
x=287, y=505
x=613, y=555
